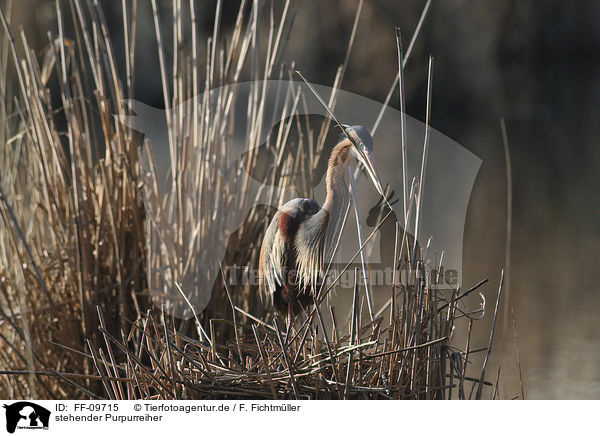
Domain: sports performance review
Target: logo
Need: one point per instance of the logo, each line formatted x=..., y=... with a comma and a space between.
x=26, y=415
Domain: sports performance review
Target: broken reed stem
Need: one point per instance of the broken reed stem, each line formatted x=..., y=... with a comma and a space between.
x=508, y=239
x=489, y=347
x=514, y=325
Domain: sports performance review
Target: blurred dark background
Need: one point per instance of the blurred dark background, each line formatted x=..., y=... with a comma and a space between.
x=535, y=64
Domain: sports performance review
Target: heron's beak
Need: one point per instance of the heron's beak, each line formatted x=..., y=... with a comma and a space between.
x=363, y=154
x=365, y=157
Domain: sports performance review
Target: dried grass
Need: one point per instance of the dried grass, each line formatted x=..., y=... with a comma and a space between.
x=76, y=241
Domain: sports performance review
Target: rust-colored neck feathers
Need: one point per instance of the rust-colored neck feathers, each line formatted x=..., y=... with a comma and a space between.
x=337, y=188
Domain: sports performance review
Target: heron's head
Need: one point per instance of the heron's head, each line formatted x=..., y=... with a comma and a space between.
x=362, y=150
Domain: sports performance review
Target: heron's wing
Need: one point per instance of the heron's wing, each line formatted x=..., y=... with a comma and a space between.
x=272, y=259
x=309, y=246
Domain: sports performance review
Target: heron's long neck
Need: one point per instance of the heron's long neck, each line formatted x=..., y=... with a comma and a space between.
x=337, y=188
x=328, y=220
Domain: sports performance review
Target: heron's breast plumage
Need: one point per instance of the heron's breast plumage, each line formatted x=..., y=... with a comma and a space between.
x=291, y=252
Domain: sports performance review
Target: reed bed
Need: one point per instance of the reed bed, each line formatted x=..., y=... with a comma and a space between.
x=87, y=230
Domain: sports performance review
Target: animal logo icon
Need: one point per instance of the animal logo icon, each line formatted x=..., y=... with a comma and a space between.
x=24, y=414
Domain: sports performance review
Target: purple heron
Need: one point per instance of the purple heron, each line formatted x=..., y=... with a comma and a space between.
x=301, y=235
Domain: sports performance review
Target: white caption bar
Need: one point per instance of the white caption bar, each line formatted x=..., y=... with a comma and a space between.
x=298, y=417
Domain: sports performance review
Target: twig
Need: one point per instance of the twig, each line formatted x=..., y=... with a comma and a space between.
x=514, y=324
x=265, y=362
x=489, y=351
x=286, y=359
